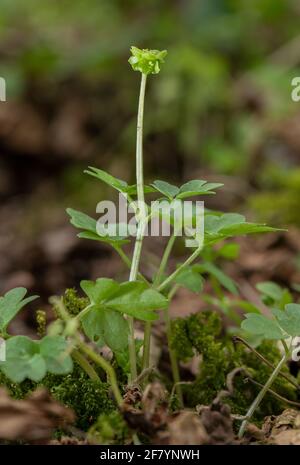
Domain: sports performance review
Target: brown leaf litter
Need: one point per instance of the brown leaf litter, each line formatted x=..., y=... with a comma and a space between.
x=32, y=419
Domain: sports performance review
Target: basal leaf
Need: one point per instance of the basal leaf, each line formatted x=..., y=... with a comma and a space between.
x=23, y=360
x=262, y=326
x=92, y=324
x=53, y=349
x=106, y=327
x=289, y=319
x=11, y=303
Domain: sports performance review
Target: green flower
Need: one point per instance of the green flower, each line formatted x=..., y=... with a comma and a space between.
x=146, y=61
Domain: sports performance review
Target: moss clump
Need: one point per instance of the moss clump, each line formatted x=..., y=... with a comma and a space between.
x=202, y=333
x=73, y=303
x=180, y=341
x=245, y=393
x=41, y=321
x=17, y=390
x=86, y=397
x=110, y=428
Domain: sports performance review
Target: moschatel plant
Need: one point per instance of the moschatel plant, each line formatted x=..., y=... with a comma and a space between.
x=111, y=307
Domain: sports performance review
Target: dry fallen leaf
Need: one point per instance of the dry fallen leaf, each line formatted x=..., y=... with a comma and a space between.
x=186, y=428
x=31, y=419
x=283, y=429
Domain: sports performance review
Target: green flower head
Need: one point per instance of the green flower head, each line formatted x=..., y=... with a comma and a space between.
x=147, y=61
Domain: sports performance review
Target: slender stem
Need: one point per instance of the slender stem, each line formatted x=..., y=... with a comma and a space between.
x=188, y=261
x=147, y=345
x=164, y=261
x=85, y=365
x=141, y=219
x=127, y=262
x=255, y=404
x=275, y=394
x=106, y=366
x=148, y=324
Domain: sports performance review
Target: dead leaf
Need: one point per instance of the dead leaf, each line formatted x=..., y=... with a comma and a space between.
x=217, y=422
x=186, y=428
x=31, y=419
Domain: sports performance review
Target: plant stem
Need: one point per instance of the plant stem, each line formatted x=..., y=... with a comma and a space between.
x=85, y=365
x=188, y=261
x=275, y=394
x=164, y=261
x=106, y=366
x=148, y=324
x=141, y=219
x=255, y=404
x=127, y=262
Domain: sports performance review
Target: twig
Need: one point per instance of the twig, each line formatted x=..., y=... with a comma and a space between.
x=275, y=394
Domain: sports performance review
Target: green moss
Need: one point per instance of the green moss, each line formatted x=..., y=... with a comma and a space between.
x=17, y=391
x=73, y=303
x=41, y=321
x=180, y=342
x=110, y=428
x=202, y=333
x=87, y=398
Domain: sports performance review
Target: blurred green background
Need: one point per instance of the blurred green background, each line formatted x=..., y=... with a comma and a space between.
x=221, y=109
